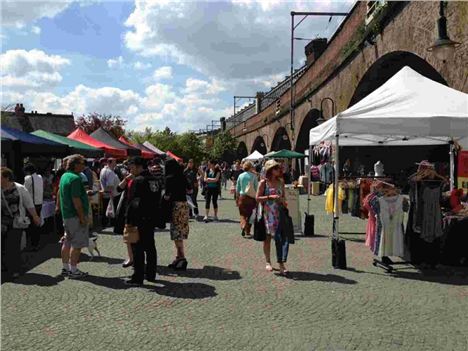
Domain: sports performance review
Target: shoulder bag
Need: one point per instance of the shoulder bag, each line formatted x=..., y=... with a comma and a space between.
x=19, y=221
x=250, y=190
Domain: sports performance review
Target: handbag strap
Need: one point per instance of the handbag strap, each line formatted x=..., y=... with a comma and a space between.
x=7, y=205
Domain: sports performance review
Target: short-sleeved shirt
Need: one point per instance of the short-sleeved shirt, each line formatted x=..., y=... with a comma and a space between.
x=71, y=185
x=12, y=198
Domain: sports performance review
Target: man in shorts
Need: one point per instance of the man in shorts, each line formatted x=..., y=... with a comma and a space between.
x=74, y=206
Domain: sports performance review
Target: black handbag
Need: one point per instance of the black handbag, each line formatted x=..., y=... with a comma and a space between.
x=309, y=223
x=338, y=253
x=259, y=228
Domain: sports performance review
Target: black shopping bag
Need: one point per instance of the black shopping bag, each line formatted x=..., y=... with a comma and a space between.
x=338, y=253
x=309, y=223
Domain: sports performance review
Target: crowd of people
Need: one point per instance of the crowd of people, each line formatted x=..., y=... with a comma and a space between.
x=137, y=195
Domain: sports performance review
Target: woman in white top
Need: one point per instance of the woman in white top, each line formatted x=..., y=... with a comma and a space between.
x=35, y=185
x=16, y=201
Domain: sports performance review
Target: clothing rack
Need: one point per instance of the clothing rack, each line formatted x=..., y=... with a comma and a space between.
x=387, y=264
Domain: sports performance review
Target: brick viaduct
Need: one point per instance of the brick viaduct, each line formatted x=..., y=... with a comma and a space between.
x=356, y=61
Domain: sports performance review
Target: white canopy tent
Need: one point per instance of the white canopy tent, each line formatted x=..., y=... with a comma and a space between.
x=254, y=156
x=153, y=148
x=409, y=109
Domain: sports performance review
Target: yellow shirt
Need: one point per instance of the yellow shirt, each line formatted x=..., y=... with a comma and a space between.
x=329, y=199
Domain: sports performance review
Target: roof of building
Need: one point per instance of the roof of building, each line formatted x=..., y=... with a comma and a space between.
x=29, y=122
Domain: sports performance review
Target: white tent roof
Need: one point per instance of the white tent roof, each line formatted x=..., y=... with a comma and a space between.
x=409, y=109
x=254, y=156
x=153, y=148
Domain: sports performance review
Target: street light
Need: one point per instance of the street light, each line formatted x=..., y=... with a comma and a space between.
x=444, y=47
x=291, y=77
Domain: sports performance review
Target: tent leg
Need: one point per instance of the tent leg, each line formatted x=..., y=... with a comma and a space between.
x=309, y=180
x=452, y=166
x=338, y=246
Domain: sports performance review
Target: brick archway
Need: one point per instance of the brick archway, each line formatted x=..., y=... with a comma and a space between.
x=302, y=141
x=387, y=66
x=242, y=150
x=281, y=140
x=259, y=145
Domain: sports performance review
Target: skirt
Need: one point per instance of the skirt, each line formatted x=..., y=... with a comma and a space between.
x=180, y=221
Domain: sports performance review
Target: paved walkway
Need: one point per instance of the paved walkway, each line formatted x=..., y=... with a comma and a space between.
x=227, y=301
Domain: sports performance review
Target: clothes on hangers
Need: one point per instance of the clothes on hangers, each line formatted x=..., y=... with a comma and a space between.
x=330, y=199
x=391, y=217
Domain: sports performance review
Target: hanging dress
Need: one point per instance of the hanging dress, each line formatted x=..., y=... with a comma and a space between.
x=391, y=217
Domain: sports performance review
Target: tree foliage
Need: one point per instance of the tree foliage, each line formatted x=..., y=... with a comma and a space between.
x=185, y=145
x=224, y=146
x=93, y=121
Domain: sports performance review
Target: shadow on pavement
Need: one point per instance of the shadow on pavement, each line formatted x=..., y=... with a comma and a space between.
x=442, y=275
x=191, y=291
x=207, y=272
x=98, y=259
x=308, y=276
x=38, y=279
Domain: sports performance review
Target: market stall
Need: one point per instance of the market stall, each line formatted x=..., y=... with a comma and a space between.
x=254, y=156
x=103, y=136
x=110, y=151
x=171, y=155
x=409, y=109
x=153, y=148
x=145, y=153
x=74, y=145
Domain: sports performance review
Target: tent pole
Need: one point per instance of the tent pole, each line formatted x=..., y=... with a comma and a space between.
x=452, y=166
x=309, y=180
x=336, y=215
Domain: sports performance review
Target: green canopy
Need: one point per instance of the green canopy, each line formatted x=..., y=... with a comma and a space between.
x=75, y=146
x=284, y=154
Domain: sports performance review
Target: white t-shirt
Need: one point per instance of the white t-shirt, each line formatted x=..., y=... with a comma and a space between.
x=38, y=192
x=108, y=178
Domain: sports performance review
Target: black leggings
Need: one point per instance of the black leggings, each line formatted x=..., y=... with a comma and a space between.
x=211, y=193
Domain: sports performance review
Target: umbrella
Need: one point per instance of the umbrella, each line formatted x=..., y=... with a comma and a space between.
x=284, y=154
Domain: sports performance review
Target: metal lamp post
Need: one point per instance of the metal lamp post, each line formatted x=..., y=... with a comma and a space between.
x=443, y=47
x=291, y=77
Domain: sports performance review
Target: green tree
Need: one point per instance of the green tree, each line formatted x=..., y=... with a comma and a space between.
x=93, y=121
x=224, y=146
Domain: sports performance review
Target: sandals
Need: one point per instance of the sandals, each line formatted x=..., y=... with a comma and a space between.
x=179, y=264
x=283, y=271
x=268, y=267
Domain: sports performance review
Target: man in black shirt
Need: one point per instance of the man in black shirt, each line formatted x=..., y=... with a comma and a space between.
x=143, y=208
x=236, y=172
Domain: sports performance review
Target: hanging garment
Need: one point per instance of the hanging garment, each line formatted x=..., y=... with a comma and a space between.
x=364, y=190
x=391, y=217
x=329, y=199
x=431, y=227
x=371, y=227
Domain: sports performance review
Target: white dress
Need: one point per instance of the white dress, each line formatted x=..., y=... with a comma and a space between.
x=391, y=217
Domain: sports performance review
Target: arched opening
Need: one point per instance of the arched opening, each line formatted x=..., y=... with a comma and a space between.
x=281, y=140
x=259, y=145
x=242, y=151
x=302, y=143
x=386, y=67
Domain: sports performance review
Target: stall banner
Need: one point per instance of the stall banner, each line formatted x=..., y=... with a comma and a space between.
x=463, y=170
x=292, y=198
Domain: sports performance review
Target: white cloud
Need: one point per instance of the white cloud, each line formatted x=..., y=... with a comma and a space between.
x=19, y=13
x=162, y=73
x=36, y=30
x=34, y=68
x=141, y=66
x=241, y=40
x=115, y=63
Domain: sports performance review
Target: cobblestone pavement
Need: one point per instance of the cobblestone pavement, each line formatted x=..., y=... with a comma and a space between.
x=227, y=301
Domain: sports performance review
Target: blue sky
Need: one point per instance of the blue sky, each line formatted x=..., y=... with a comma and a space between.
x=157, y=64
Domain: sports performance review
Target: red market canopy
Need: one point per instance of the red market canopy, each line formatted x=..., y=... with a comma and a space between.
x=83, y=137
x=145, y=153
x=171, y=155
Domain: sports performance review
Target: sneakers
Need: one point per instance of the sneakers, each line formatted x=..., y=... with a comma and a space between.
x=77, y=275
x=65, y=272
x=205, y=219
x=215, y=219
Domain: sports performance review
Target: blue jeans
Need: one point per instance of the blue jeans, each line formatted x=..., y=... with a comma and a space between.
x=282, y=247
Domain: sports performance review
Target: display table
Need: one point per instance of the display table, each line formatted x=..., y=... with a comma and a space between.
x=304, y=182
x=292, y=199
